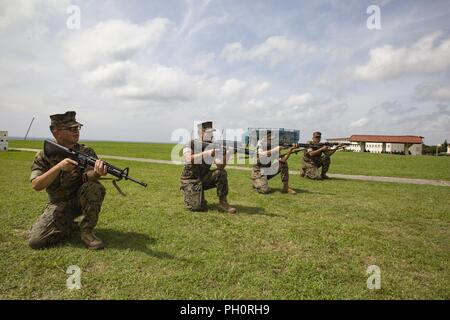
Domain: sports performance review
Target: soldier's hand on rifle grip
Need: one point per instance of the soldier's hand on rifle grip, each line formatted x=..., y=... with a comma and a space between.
x=67, y=165
x=100, y=168
x=294, y=146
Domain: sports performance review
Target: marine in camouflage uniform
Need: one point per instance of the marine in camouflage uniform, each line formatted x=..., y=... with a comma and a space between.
x=316, y=161
x=262, y=170
x=197, y=175
x=73, y=193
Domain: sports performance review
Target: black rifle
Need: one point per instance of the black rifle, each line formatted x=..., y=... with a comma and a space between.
x=227, y=145
x=53, y=149
x=302, y=146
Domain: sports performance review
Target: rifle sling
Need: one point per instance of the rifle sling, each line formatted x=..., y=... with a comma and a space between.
x=114, y=182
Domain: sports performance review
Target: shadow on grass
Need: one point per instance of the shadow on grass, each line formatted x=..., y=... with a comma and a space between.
x=298, y=190
x=241, y=209
x=116, y=239
x=325, y=180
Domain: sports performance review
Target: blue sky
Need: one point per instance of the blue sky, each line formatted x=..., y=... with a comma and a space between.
x=138, y=70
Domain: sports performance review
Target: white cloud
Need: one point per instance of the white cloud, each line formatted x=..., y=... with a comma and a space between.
x=392, y=108
x=359, y=123
x=203, y=61
x=433, y=125
x=159, y=83
x=208, y=23
x=297, y=101
x=113, y=40
x=233, y=87
x=263, y=87
x=425, y=56
x=110, y=75
x=131, y=81
x=433, y=91
x=291, y=110
x=105, y=58
x=26, y=14
x=274, y=50
x=128, y=80
x=193, y=12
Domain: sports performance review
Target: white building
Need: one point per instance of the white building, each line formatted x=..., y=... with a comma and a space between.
x=3, y=140
x=383, y=144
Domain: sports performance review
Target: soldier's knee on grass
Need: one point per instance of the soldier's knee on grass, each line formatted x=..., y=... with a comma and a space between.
x=36, y=243
x=263, y=190
x=198, y=209
x=313, y=173
x=195, y=202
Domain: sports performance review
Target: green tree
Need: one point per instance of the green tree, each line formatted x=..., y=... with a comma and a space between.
x=443, y=147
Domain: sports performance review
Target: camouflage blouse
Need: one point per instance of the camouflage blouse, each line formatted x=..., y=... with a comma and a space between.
x=198, y=170
x=311, y=160
x=67, y=184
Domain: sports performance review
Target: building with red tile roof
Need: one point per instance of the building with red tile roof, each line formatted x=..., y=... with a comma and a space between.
x=383, y=143
x=386, y=139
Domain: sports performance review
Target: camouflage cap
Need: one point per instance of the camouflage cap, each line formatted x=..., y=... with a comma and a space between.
x=64, y=120
x=317, y=134
x=206, y=126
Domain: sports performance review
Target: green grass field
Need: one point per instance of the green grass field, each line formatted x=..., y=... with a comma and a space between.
x=425, y=167
x=314, y=245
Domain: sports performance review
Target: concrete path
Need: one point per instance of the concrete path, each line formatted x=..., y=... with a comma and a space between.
x=332, y=175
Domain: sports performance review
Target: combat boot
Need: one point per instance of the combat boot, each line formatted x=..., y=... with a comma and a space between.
x=74, y=227
x=224, y=206
x=288, y=190
x=302, y=172
x=91, y=241
x=205, y=205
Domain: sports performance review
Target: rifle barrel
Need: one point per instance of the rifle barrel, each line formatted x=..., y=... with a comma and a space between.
x=136, y=181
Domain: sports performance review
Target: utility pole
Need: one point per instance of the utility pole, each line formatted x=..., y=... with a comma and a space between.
x=28, y=129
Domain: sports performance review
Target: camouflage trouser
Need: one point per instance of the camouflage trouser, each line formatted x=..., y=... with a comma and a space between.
x=312, y=171
x=57, y=220
x=193, y=189
x=261, y=182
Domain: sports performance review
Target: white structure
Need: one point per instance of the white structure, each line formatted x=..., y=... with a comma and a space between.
x=448, y=149
x=383, y=144
x=3, y=141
